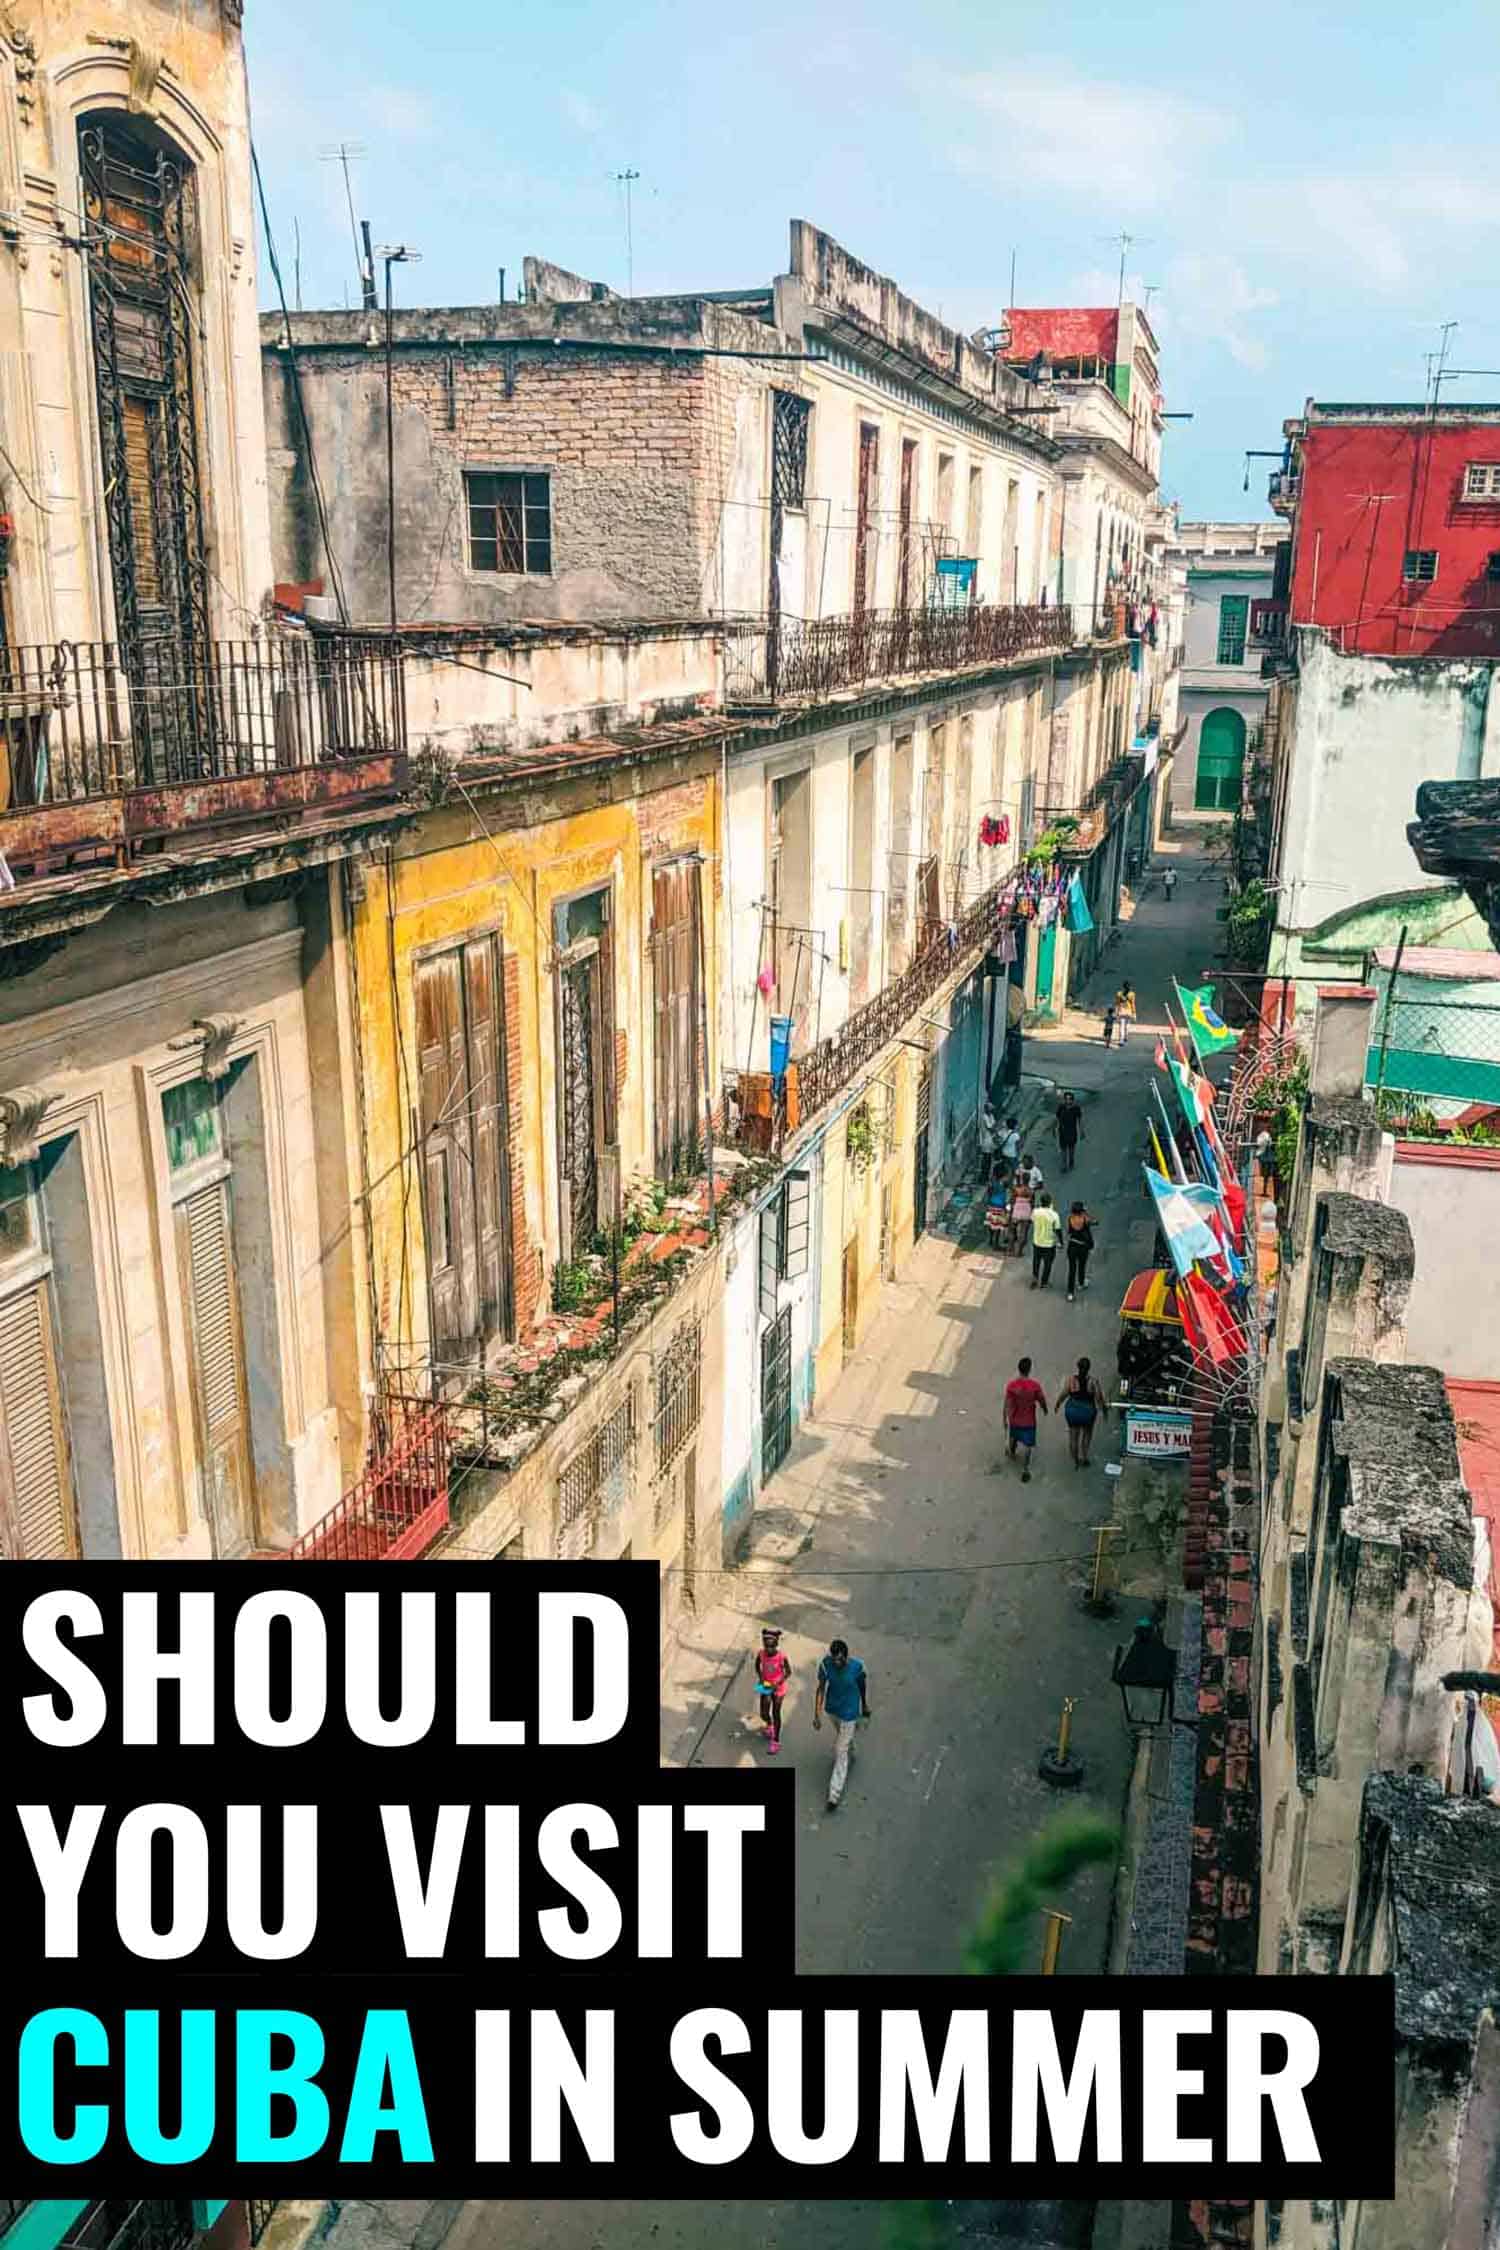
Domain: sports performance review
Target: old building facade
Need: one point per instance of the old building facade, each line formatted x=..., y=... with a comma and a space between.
x=177, y=777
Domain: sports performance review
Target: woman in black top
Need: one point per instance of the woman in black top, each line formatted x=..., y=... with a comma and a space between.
x=1080, y=1237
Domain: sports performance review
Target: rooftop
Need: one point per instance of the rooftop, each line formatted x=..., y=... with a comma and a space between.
x=1448, y=962
x=1326, y=410
x=1443, y=1878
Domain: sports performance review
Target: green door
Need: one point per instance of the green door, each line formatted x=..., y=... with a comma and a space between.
x=1045, y=952
x=1221, y=762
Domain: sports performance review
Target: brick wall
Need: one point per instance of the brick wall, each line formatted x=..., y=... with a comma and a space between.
x=618, y=434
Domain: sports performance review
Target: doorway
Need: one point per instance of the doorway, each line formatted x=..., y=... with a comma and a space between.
x=775, y=1394
x=851, y=1296
x=1221, y=762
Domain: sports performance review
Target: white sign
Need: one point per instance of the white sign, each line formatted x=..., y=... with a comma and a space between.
x=1157, y=1431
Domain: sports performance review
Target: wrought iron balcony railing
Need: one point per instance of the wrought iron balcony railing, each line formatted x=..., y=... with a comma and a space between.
x=131, y=2226
x=400, y=1504
x=804, y=658
x=104, y=752
x=1284, y=490
x=1268, y=624
x=759, y=1114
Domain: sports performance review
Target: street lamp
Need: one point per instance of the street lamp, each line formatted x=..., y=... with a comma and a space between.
x=1146, y=1675
x=393, y=254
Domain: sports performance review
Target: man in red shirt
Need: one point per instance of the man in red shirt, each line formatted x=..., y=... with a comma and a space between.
x=1023, y=1397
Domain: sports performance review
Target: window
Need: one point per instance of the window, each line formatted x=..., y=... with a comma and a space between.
x=1419, y=565
x=869, y=473
x=38, y=1520
x=596, y=1483
x=679, y=1394
x=1482, y=480
x=510, y=522
x=190, y=1114
x=1234, y=622
x=586, y=1089
x=790, y=418
x=785, y=1231
x=1492, y=566
x=198, y=1161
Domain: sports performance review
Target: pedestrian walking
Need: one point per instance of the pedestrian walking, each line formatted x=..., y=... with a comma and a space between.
x=1067, y=1124
x=1081, y=1402
x=843, y=1692
x=772, y=1671
x=1024, y=1400
x=1125, y=1009
x=1169, y=883
x=1029, y=1174
x=1079, y=1236
x=1109, y=1025
x=1046, y=1226
x=1010, y=1143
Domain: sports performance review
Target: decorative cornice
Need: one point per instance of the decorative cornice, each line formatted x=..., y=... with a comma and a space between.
x=21, y=1114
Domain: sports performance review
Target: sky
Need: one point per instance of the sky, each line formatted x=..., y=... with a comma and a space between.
x=1309, y=190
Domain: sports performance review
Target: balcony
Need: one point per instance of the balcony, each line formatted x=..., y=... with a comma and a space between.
x=809, y=659
x=400, y=1504
x=759, y=1113
x=131, y=2226
x=105, y=760
x=1268, y=625
x=1284, y=490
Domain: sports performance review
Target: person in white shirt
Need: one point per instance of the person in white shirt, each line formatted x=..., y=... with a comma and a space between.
x=1169, y=883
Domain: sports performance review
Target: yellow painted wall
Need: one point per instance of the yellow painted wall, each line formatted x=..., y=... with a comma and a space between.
x=445, y=879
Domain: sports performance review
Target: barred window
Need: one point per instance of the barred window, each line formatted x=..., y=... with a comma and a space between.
x=1482, y=480
x=510, y=522
x=679, y=1393
x=596, y=1483
x=1419, y=565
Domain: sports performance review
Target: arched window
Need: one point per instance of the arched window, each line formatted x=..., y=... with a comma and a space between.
x=138, y=205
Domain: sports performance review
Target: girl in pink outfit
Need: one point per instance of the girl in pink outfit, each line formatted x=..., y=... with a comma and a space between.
x=772, y=1671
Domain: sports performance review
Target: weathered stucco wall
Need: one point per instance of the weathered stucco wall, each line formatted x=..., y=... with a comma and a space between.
x=1452, y=1198
x=106, y=1026
x=54, y=71
x=1367, y=731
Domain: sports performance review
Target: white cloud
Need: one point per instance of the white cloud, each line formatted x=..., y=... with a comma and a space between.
x=1224, y=304
x=582, y=114
x=1098, y=141
x=396, y=110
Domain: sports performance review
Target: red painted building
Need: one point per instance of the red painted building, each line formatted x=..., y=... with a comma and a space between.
x=1396, y=515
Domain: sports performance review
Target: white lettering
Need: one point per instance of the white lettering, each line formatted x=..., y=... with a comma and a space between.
x=731, y=2108
x=1249, y=2084
x=1164, y=2084
x=1036, y=2070
x=557, y=1615
x=61, y=1864
x=39, y=1637
x=905, y=2071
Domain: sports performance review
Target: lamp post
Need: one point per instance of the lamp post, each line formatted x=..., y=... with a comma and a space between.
x=394, y=254
x=1146, y=1675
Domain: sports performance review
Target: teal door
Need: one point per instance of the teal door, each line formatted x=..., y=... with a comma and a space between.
x=1221, y=762
x=1046, y=949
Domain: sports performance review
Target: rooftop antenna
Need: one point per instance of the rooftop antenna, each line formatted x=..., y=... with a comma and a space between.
x=1127, y=242
x=626, y=180
x=1149, y=290
x=297, y=265
x=342, y=154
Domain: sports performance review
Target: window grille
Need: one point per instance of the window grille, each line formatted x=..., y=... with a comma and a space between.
x=596, y=1483
x=791, y=417
x=679, y=1394
x=510, y=523
x=1482, y=480
x=1419, y=565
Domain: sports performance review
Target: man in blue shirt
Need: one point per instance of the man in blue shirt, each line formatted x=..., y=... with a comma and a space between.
x=842, y=1692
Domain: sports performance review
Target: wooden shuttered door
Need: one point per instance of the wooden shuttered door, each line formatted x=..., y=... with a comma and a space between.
x=36, y=1497
x=205, y=1247
x=674, y=956
x=465, y=1193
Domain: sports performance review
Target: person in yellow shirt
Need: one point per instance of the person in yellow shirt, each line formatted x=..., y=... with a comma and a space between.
x=1046, y=1226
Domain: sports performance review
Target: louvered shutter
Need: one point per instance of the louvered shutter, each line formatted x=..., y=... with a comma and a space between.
x=437, y=1009
x=218, y=1365
x=486, y=1065
x=675, y=966
x=38, y=1499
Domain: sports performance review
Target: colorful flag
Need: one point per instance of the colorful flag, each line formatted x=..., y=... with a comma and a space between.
x=1161, y=1162
x=1160, y=1056
x=1206, y=1201
x=1194, y=1093
x=1208, y=1322
x=1188, y=1235
x=1207, y=1030
x=1079, y=917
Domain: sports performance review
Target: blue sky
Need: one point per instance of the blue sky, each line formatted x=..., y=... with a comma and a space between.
x=1310, y=192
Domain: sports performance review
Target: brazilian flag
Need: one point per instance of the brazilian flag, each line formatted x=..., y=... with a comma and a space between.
x=1206, y=1028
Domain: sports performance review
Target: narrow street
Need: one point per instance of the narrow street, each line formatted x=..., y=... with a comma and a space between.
x=955, y=1583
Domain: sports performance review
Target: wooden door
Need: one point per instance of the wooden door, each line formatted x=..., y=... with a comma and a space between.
x=484, y=1045
x=448, y=1198
x=674, y=960
x=216, y=1345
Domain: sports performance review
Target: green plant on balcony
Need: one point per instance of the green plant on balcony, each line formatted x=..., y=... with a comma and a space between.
x=1051, y=841
x=859, y=1140
x=1248, y=924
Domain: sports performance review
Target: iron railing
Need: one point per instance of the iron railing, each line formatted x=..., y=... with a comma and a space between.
x=1423, y=1051
x=82, y=720
x=258, y=2215
x=127, y=2225
x=400, y=1504
x=804, y=658
x=1284, y=488
x=837, y=1060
